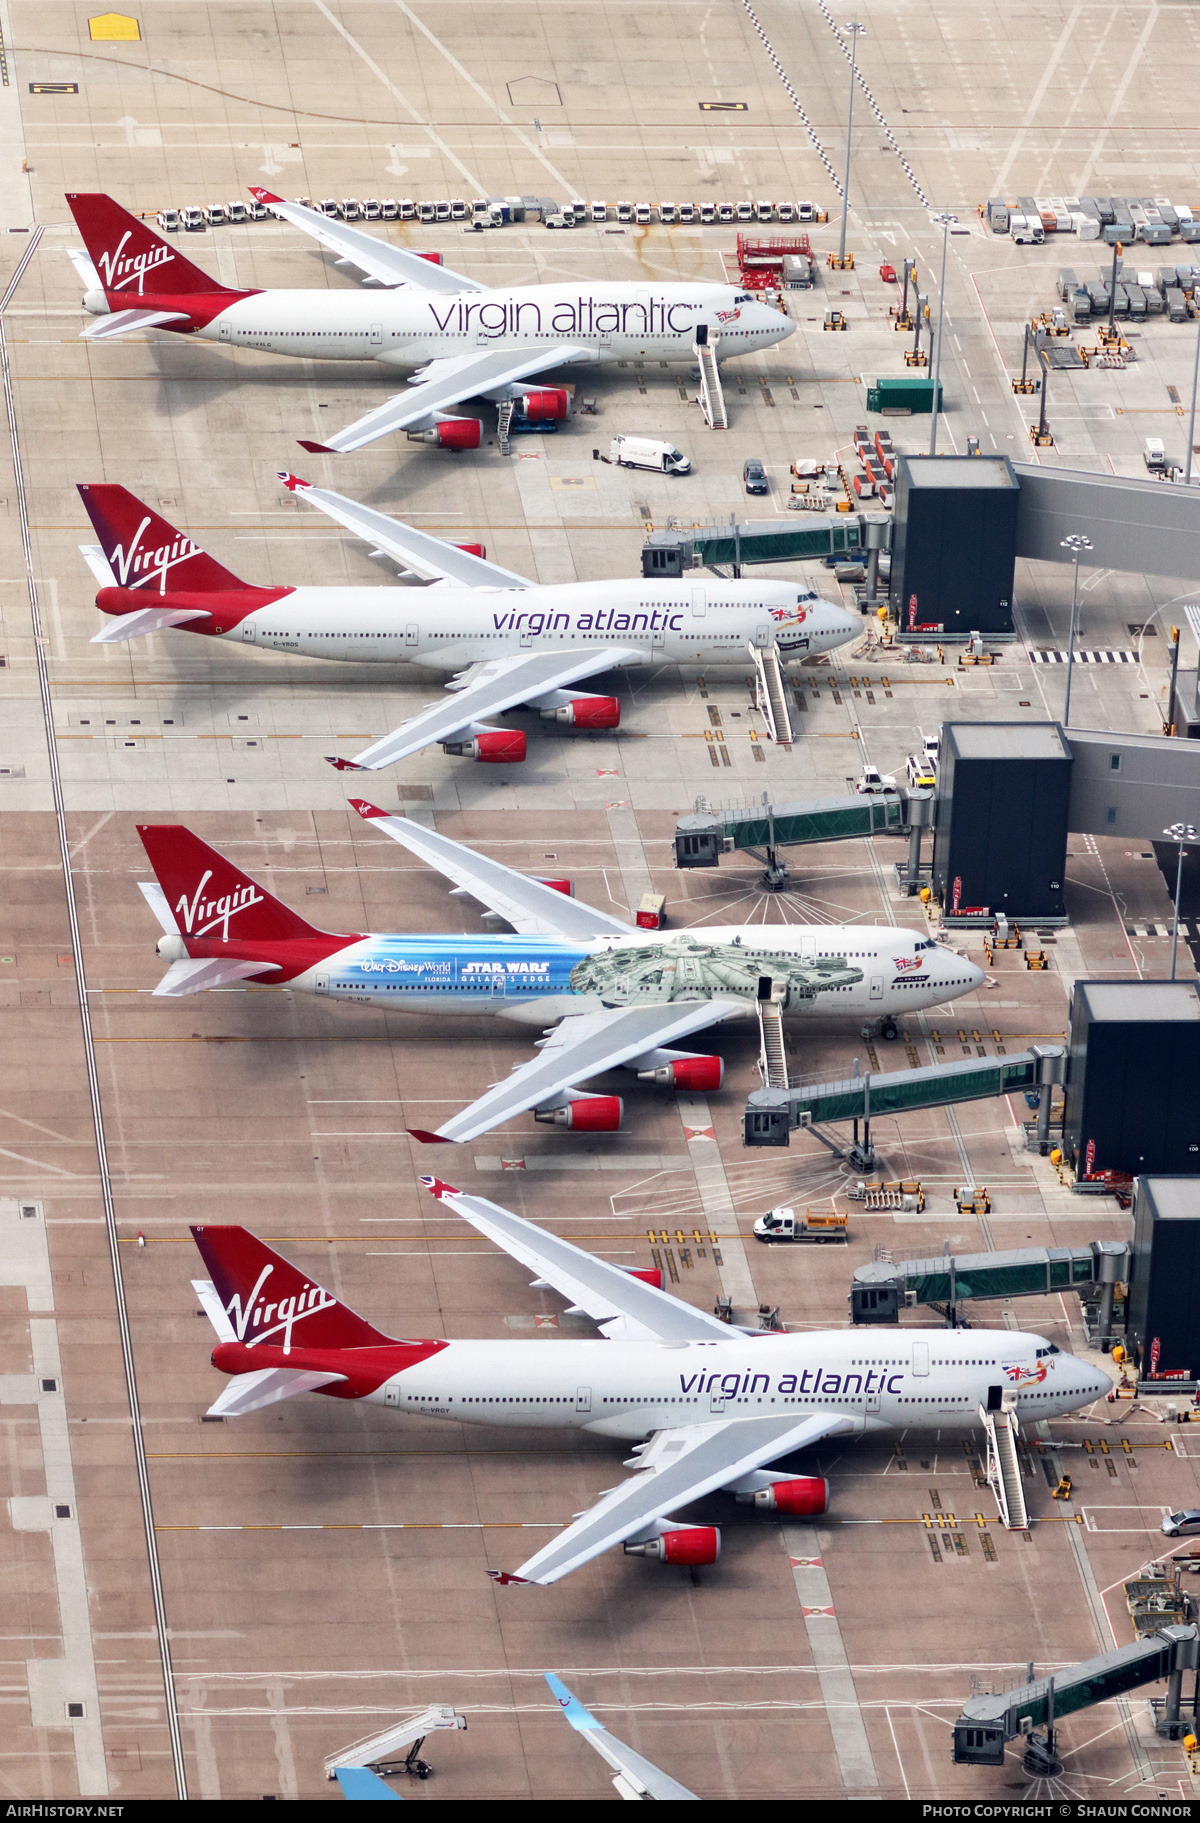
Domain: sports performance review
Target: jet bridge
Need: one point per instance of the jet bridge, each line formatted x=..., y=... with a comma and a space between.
x=763, y=829
x=774, y=1114
x=883, y=1288
x=988, y=1723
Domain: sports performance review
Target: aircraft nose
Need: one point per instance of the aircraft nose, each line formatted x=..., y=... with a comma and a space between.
x=976, y=974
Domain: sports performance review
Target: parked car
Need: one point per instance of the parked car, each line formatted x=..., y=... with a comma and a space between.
x=1179, y=1525
x=754, y=476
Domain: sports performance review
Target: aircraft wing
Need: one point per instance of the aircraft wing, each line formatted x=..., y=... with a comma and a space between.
x=125, y=322
x=427, y=556
x=678, y=1467
x=379, y=259
x=636, y=1777
x=191, y=977
x=145, y=620
x=581, y=1046
x=529, y=906
x=610, y=1295
x=250, y=1392
x=447, y=382
x=490, y=689
x=82, y=263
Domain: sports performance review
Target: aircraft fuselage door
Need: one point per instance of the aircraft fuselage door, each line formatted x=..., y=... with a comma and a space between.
x=699, y=603
x=376, y=335
x=391, y=1393
x=412, y=635
x=583, y=1398
x=872, y=1405
x=877, y=987
x=920, y=1358
x=322, y=984
x=716, y=1399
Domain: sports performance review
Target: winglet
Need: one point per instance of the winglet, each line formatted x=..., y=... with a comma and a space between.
x=364, y=809
x=293, y=483
x=438, y=1187
x=569, y=1703
x=340, y=765
x=264, y=196
x=429, y=1139
x=316, y=449
x=503, y=1577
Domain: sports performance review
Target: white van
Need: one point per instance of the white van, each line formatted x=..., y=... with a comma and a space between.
x=644, y=452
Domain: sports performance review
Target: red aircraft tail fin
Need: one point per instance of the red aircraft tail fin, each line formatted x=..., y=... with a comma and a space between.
x=144, y=550
x=129, y=256
x=210, y=897
x=267, y=1299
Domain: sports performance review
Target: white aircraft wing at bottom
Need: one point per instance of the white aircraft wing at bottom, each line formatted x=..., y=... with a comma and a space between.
x=636, y=1777
x=532, y=907
x=681, y=1466
x=447, y=382
x=192, y=976
x=610, y=1295
x=145, y=620
x=127, y=322
x=500, y=684
x=583, y=1045
x=420, y=552
x=250, y=1392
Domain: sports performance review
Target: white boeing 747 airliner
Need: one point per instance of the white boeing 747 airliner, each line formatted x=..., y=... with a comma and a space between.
x=616, y=997
x=709, y=1408
x=511, y=643
x=465, y=340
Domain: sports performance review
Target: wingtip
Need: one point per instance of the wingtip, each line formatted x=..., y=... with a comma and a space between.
x=293, y=483
x=340, y=765
x=438, y=1187
x=429, y=1139
x=504, y=1577
x=316, y=449
x=264, y=196
x=365, y=810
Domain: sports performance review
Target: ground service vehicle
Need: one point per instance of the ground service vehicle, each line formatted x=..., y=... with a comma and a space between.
x=646, y=452
x=786, y=1224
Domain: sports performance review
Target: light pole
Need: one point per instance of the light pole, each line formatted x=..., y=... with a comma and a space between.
x=855, y=30
x=945, y=221
x=1187, y=471
x=1181, y=833
x=1077, y=544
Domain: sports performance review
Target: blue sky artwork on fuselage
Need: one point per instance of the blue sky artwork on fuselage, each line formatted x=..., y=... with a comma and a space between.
x=468, y=965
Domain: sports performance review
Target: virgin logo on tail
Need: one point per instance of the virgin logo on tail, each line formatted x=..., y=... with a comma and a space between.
x=144, y=566
x=215, y=911
x=258, y=1313
x=119, y=271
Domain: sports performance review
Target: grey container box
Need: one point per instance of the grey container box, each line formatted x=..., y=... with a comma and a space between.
x=1081, y=305
x=1134, y=1065
x=1176, y=305
x=1090, y=206
x=1067, y=282
x=1155, y=303
x=1122, y=219
x=998, y=218
x=954, y=533
x=1189, y=231
x=1156, y=234
x=1162, y=1313
x=1137, y=303
x=1002, y=810
x=1104, y=205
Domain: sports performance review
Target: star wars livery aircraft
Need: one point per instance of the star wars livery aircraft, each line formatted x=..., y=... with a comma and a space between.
x=616, y=996
x=464, y=340
x=709, y=1408
x=510, y=642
